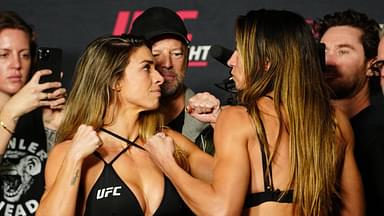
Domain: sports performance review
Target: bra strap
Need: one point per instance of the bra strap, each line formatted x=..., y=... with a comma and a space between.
x=123, y=139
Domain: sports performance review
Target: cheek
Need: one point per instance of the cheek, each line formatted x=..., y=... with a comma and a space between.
x=25, y=69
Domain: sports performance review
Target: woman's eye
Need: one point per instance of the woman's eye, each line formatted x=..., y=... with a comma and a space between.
x=3, y=55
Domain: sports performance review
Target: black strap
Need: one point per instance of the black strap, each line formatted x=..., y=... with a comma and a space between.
x=256, y=199
x=268, y=185
x=123, y=139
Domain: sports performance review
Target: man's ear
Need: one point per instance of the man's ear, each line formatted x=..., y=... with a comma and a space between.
x=368, y=70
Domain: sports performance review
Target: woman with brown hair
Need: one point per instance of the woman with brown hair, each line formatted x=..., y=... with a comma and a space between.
x=284, y=150
x=100, y=167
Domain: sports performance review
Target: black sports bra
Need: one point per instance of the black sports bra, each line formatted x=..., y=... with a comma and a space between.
x=111, y=196
x=269, y=193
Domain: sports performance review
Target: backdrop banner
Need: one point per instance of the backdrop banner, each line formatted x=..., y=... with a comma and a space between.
x=72, y=24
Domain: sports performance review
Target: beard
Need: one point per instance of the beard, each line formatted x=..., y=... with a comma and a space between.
x=169, y=89
x=342, y=90
x=343, y=87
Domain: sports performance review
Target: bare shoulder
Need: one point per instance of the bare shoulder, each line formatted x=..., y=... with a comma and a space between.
x=234, y=116
x=231, y=113
x=235, y=122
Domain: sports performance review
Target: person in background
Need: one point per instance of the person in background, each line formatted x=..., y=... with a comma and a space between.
x=29, y=118
x=378, y=65
x=284, y=150
x=351, y=39
x=168, y=35
x=100, y=165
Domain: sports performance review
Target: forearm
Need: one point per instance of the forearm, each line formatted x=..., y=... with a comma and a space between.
x=61, y=197
x=8, y=121
x=200, y=196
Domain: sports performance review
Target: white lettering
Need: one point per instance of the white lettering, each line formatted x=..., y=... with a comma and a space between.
x=21, y=145
x=105, y=192
x=8, y=210
x=100, y=193
x=32, y=205
x=115, y=193
x=33, y=147
x=42, y=155
x=12, y=143
x=108, y=191
x=198, y=53
x=2, y=203
x=20, y=211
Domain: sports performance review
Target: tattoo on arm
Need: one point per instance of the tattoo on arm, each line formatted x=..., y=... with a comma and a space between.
x=74, y=179
x=51, y=137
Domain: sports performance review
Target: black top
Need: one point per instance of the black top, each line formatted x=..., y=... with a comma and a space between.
x=111, y=196
x=269, y=193
x=177, y=123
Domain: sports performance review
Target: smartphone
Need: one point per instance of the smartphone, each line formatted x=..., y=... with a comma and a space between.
x=50, y=58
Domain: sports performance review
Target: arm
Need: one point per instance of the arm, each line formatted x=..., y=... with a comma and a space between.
x=201, y=163
x=24, y=101
x=351, y=184
x=63, y=172
x=226, y=193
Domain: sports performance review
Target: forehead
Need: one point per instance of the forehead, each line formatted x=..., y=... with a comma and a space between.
x=13, y=38
x=140, y=54
x=168, y=43
x=380, y=51
x=342, y=35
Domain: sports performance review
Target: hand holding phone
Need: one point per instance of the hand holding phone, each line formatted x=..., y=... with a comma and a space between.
x=50, y=58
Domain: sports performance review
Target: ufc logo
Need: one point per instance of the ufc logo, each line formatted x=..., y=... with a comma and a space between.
x=125, y=19
x=106, y=192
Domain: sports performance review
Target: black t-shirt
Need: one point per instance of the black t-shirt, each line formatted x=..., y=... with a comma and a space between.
x=368, y=127
x=177, y=123
x=22, y=168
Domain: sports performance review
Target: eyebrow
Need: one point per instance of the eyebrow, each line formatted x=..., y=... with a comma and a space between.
x=171, y=50
x=7, y=49
x=345, y=46
x=147, y=62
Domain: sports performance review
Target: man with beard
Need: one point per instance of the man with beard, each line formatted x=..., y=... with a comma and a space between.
x=378, y=65
x=168, y=35
x=351, y=39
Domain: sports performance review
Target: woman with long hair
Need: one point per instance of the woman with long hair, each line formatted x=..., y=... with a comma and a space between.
x=284, y=150
x=99, y=166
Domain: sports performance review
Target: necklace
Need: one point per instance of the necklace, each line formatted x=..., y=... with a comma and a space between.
x=123, y=139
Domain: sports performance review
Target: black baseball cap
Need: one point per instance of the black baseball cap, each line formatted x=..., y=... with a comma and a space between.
x=156, y=22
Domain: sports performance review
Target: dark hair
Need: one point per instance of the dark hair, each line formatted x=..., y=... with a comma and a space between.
x=369, y=27
x=11, y=20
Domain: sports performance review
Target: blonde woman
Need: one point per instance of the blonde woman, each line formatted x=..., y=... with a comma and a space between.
x=100, y=167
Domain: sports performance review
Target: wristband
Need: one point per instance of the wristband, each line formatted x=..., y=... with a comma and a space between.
x=6, y=128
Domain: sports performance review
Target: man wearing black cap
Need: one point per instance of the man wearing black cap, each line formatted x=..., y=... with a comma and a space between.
x=168, y=35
